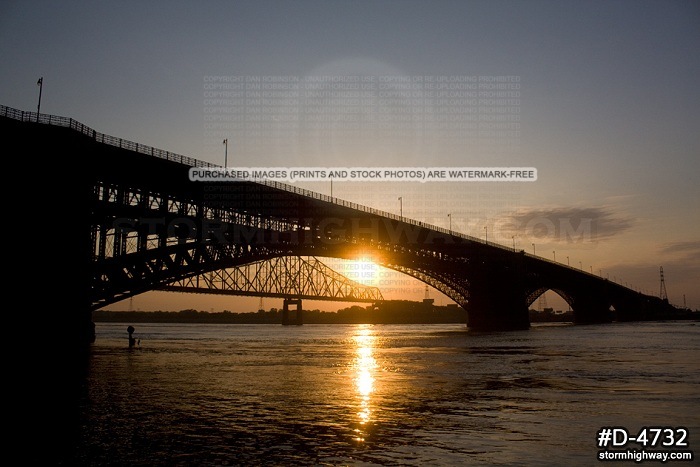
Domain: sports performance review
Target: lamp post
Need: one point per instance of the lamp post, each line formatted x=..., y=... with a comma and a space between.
x=225, y=153
x=567, y=261
x=486, y=228
x=580, y=265
x=39, y=83
x=513, y=242
x=533, y=250
x=401, y=207
x=449, y=216
x=555, y=256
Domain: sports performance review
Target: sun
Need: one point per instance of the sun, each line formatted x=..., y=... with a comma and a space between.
x=362, y=270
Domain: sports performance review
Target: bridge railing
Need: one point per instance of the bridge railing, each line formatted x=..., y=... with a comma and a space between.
x=66, y=122
x=55, y=120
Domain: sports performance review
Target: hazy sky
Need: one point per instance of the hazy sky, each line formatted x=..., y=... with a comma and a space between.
x=608, y=109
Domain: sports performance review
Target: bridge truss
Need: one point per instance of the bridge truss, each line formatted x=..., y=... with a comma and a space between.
x=285, y=277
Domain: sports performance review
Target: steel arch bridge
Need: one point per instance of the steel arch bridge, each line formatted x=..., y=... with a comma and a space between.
x=138, y=223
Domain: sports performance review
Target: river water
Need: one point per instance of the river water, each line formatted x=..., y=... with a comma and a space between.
x=199, y=394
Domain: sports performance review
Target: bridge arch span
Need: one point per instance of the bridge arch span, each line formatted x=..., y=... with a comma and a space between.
x=451, y=287
x=535, y=294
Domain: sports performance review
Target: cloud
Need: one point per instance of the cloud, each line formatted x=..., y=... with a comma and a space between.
x=682, y=247
x=570, y=225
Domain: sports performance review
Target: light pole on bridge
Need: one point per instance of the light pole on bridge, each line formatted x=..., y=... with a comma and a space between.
x=401, y=207
x=486, y=228
x=39, y=83
x=533, y=250
x=580, y=265
x=513, y=242
x=567, y=261
x=225, y=153
x=449, y=216
x=555, y=256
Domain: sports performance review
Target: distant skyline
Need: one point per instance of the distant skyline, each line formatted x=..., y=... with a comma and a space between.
x=607, y=109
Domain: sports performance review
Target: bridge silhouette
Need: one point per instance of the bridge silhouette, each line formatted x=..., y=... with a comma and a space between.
x=138, y=223
x=292, y=278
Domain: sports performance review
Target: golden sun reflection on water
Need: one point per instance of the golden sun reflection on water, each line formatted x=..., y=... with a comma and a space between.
x=364, y=366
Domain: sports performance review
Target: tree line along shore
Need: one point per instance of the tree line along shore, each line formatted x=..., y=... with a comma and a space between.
x=389, y=312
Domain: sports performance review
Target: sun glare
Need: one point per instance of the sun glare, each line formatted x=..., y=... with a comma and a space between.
x=362, y=270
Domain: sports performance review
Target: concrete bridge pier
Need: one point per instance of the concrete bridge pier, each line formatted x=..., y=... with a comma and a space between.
x=298, y=319
x=496, y=304
x=499, y=316
x=590, y=309
x=84, y=326
x=628, y=309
